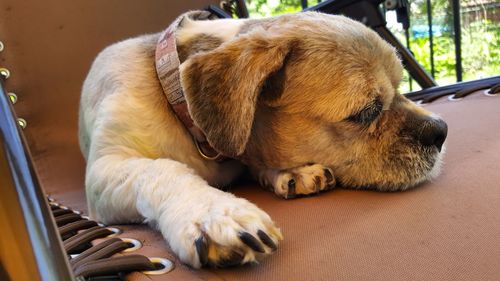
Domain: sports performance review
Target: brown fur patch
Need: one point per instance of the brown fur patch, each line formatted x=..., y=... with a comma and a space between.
x=222, y=86
x=201, y=43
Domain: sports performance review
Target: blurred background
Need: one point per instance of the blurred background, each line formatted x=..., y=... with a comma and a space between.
x=431, y=35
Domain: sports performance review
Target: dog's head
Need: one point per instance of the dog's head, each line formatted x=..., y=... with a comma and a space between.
x=313, y=88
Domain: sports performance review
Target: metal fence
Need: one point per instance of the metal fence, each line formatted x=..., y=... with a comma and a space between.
x=455, y=30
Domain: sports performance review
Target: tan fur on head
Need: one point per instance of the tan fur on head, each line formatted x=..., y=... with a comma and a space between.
x=336, y=67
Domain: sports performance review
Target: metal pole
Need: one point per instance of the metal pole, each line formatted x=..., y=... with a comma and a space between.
x=303, y=3
x=407, y=35
x=457, y=30
x=431, y=43
x=416, y=70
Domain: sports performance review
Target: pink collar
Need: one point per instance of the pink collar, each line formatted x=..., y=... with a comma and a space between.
x=167, y=68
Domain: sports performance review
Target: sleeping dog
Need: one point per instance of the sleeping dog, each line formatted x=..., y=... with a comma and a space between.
x=304, y=101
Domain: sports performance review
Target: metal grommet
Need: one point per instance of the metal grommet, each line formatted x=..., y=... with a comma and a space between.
x=487, y=93
x=22, y=123
x=166, y=265
x=55, y=204
x=1, y=46
x=420, y=102
x=115, y=231
x=12, y=97
x=453, y=98
x=136, y=244
x=98, y=223
x=4, y=72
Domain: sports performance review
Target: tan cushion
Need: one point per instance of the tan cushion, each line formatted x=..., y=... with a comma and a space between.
x=445, y=230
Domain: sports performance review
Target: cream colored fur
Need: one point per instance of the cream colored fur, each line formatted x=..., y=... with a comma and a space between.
x=224, y=29
x=142, y=165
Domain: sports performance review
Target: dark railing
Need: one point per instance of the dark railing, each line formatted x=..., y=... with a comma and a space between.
x=431, y=41
x=372, y=14
x=456, y=32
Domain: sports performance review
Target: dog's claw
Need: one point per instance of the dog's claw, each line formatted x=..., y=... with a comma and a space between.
x=317, y=183
x=267, y=240
x=234, y=259
x=251, y=242
x=329, y=176
x=291, y=189
x=202, y=249
x=229, y=235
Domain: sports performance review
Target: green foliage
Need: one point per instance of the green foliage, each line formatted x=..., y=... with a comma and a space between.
x=268, y=8
x=481, y=49
x=480, y=42
x=480, y=38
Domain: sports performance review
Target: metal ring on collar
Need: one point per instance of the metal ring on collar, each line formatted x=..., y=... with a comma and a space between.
x=1, y=46
x=200, y=151
x=166, y=264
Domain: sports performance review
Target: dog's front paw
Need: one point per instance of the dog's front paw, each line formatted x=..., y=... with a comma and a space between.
x=230, y=231
x=304, y=180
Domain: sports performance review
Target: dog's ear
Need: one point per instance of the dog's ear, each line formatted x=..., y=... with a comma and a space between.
x=222, y=86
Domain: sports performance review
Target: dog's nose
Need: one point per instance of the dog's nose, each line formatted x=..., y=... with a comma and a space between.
x=434, y=133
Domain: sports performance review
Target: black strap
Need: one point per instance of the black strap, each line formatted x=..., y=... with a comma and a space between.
x=102, y=250
x=95, y=262
x=459, y=89
x=67, y=218
x=59, y=212
x=73, y=243
x=109, y=266
x=72, y=228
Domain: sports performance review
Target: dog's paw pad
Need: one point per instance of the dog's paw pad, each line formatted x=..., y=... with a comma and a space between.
x=304, y=180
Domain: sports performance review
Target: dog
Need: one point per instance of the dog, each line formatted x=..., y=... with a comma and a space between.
x=305, y=102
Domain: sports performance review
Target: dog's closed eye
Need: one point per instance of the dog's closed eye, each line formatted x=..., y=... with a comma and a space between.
x=369, y=113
